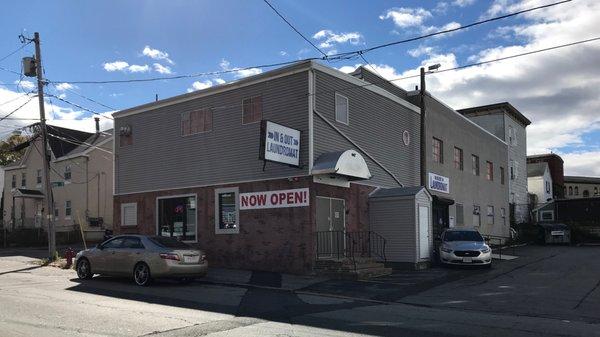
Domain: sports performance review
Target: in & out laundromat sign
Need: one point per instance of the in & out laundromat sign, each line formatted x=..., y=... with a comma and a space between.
x=280, y=143
x=274, y=199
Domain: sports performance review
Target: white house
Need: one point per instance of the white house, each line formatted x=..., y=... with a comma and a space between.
x=539, y=182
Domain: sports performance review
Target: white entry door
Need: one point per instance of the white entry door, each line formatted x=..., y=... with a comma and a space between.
x=423, y=232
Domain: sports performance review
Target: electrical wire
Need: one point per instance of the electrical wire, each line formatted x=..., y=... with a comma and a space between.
x=84, y=97
x=14, y=52
x=294, y=28
x=16, y=98
x=79, y=106
x=78, y=142
x=17, y=109
x=446, y=31
x=345, y=55
x=61, y=174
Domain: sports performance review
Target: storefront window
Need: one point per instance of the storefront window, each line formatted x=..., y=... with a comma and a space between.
x=177, y=217
x=226, y=211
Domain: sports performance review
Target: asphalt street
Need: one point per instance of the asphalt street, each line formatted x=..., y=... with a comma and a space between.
x=547, y=291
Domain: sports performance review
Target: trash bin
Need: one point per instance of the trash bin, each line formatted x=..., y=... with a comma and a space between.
x=554, y=233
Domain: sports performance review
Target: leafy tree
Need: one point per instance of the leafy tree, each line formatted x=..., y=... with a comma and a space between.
x=7, y=155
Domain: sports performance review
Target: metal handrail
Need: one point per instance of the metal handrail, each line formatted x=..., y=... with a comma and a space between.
x=350, y=244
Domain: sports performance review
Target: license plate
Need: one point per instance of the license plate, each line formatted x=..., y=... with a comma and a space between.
x=467, y=259
x=191, y=258
x=557, y=233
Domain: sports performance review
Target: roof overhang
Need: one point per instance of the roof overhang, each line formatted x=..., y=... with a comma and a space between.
x=349, y=164
x=25, y=193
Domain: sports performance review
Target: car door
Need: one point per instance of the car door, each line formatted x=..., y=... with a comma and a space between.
x=103, y=263
x=131, y=252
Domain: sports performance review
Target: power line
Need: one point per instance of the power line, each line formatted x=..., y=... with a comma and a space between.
x=16, y=98
x=78, y=106
x=446, y=31
x=294, y=28
x=14, y=52
x=87, y=98
x=78, y=142
x=17, y=109
x=338, y=56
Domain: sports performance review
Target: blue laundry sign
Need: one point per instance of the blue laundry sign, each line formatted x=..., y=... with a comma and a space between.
x=282, y=144
x=439, y=183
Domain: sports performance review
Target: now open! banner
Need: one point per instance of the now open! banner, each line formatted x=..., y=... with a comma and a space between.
x=275, y=199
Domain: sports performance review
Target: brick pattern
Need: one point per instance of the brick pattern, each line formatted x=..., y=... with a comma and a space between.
x=279, y=239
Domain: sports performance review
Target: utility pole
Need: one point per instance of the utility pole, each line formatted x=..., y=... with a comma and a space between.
x=46, y=159
x=423, y=130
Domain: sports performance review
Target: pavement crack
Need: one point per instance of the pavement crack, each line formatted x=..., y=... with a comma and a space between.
x=207, y=328
x=587, y=295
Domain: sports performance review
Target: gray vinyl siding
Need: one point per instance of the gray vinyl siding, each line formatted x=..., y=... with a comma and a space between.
x=465, y=188
x=378, y=81
x=376, y=124
x=161, y=158
x=394, y=219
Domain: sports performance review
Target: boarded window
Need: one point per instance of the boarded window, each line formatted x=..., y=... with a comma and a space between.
x=438, y=150
x=341, y=109
x=198, y=121
x=129, y=214
x=489, y=170
x=252, y=110
x=458, y=158
x=501, y=175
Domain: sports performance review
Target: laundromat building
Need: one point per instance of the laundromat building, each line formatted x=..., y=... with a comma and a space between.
x=276, y=171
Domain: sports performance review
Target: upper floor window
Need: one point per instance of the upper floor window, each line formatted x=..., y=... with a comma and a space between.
x=458, y=158
x=196, y=121
x=511, y=135
x=38, y=179
x=438, y=151
x=547, y=187
x=595, y=190
x=501, y=175
x=68, y=208
x=489, y=175
x=23, y=179
x=570, y=190
x=67, y=173
x=475, y=164
x=490, y=215
x=341, y=109
x=14, y=181
x=252, y=110
x=125, y=135
x=576, y=190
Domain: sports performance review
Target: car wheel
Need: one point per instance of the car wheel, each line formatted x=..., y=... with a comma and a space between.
x=141, y=274
x=84, y=270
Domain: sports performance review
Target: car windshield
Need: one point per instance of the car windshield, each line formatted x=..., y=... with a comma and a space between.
x=462, y=236
x=169, y=242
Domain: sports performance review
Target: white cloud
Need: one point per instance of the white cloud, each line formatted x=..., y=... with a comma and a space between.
x=463, y=3
x=57, y=115
x=25, y=85
x=65, y=86
x=421, y=50
x=200, y=85
x=558, y=90
x=406, y=17
x=238, y=72
x=583, y=163
x=283, y=53
x=125, y=67
x=159, y=68
x=115, y=66
x=135, y=68
x=219, y=81
x=156, y=54
x=434, y=29
x=329, y=39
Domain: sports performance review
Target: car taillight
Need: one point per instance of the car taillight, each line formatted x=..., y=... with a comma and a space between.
x=169, y=256
x=202, y=258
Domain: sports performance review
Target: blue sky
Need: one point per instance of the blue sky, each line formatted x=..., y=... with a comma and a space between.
x=114, y=40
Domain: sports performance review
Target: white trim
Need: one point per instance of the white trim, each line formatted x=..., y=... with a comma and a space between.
x=415, y=92
x=6, y=169
x=347, y=122
x=218, y=191
x=210, y=91
x=366, y=85
x=311, y=131
x=195, y=195
x=211, y=185
x=128, y=204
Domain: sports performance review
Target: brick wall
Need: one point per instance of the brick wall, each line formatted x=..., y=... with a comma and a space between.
x=278, y=239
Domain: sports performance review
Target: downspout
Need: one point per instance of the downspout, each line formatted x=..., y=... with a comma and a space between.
x=358, y=147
